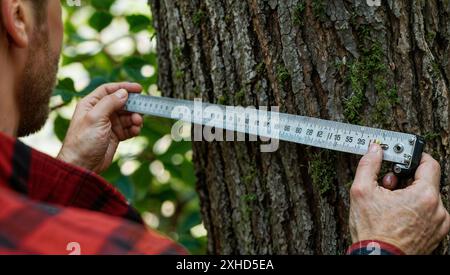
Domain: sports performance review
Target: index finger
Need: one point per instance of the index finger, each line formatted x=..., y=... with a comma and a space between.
x=428, y=172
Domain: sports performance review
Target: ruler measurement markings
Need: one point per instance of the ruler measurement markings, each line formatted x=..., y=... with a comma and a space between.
x=305, y=130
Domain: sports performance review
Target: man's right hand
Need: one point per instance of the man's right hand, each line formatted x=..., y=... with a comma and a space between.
x=98, y=125
x=413, y=219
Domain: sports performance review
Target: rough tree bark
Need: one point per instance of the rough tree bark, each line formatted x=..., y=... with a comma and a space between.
x=385, y=66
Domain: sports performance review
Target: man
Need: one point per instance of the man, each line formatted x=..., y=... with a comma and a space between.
x=48, y=205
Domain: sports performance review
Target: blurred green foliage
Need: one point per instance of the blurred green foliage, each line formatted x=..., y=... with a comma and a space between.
x=157, y=175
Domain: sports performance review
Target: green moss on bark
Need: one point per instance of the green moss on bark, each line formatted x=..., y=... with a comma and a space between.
x=198, y=18
x=322, y=171
x=299, y=10
x=370, y=70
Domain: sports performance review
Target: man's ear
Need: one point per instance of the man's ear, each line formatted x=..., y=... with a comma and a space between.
x=16, y=18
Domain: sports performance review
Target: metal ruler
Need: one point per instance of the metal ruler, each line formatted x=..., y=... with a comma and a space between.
x=404, y=150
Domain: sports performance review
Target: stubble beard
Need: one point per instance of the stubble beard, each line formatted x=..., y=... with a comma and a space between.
x=36, y=87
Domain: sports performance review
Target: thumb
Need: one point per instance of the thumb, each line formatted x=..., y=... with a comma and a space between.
x=109, y=104
x=368, y=168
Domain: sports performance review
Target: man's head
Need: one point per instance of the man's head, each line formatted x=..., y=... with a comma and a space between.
x=30, y=39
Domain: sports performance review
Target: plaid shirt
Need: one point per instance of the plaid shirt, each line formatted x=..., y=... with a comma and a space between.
x=48, y=207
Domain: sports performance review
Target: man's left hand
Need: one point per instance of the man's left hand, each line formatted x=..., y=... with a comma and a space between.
x=98, y=125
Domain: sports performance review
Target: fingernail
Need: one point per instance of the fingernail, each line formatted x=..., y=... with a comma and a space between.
x=121, y=94
x=374, y=148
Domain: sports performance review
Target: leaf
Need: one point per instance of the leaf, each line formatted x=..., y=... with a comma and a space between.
x=65, y=89
x=138, y=22
x=125, y=187
x=66, y=60
x=191, y=220
x=100, y=20
x=132, y=66
x=142, y=179
x=152, y=58
x=102, y=4
x=94, y=84
x=113, y=173
x=60, y=127
x=100, y=64
x=115, y=74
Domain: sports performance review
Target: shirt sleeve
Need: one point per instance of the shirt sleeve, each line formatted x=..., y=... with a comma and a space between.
x=45, y=179
x=68, y=185
x=29, y=227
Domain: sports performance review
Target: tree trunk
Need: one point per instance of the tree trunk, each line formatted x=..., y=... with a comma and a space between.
x=343, y=60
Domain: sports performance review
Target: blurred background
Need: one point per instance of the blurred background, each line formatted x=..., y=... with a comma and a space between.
x=109, y=41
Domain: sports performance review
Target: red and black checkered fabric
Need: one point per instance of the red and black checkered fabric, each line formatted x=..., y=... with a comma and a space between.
x=46, y=204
